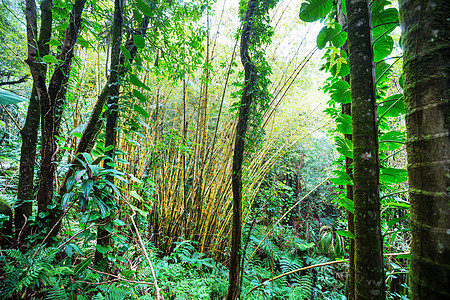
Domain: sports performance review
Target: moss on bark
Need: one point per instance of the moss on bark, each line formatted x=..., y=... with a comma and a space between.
x=369, y=274
x=426, y=69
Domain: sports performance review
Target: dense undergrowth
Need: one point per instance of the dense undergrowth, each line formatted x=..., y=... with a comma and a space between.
x=47, y=273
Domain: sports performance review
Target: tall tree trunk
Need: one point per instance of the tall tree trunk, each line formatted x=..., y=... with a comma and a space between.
x=347, y=110
x=29, y=133
x=103, y=235
x=95, y=123
x=369, y=273
x=426, y=69
x=238, y=157
x=47, y=99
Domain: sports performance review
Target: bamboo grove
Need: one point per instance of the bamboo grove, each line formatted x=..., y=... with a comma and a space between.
x=204, y=150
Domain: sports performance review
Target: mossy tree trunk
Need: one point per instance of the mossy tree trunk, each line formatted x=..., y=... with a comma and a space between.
x=426, y=69
x=48, y=98
x=369, y=274
x=104, y=236
x=29, y=133
x=347, y=110
x=238, y=156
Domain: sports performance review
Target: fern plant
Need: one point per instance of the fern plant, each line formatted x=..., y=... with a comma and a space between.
x=28, y=271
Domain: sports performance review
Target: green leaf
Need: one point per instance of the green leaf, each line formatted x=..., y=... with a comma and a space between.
x=50, y=59
x=139, y=95
x=340, y=92
x=118, y=222
x=82, y=266
x=102, y=249
x=313, y=10
x=141, y=111
x=393, y=106
x=137, y=82
x=345, y=233
x=86, y=187
x=9, y=98
x=345, y=147
x=395, y=220
x=136, y=196
x=125, y=52
x=331, y=33
x=392, y=140
x=304, y=247
x=398, y=205
x=139, y=41
x=347, y=204
x=393, y=175
x=342, y=178
x=69, y=250
x=383, y=47
x=383, y=20
x=381, y=71
x=66, y=199
x=82, y=42
x=144, y=8
x=344, y=124
x=54, y=42
x=137, y=16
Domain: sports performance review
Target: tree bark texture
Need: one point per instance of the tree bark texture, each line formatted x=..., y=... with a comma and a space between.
x=347, y=110
x=238, y=156
x=47, y=97
x=29, y=133
x=103, y=235
x=95, y=123
x=369, y=273
x=426, y=69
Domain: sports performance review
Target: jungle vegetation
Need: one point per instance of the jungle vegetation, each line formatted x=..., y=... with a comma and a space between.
x=261, y=149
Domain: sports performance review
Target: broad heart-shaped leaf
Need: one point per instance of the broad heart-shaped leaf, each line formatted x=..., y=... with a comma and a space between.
x=381, y=71
x=144, y=8
x=383, y=47
x=139, y=41
x=340, y=92
x=331, y=33
x=344, y=147
x=313, y=10
x=141, y=111
x=392, y=140
x=9, y=98
x=393, y=175
x=384, y=21
x=341, y=178
x=393, y=106
x=344, y=124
